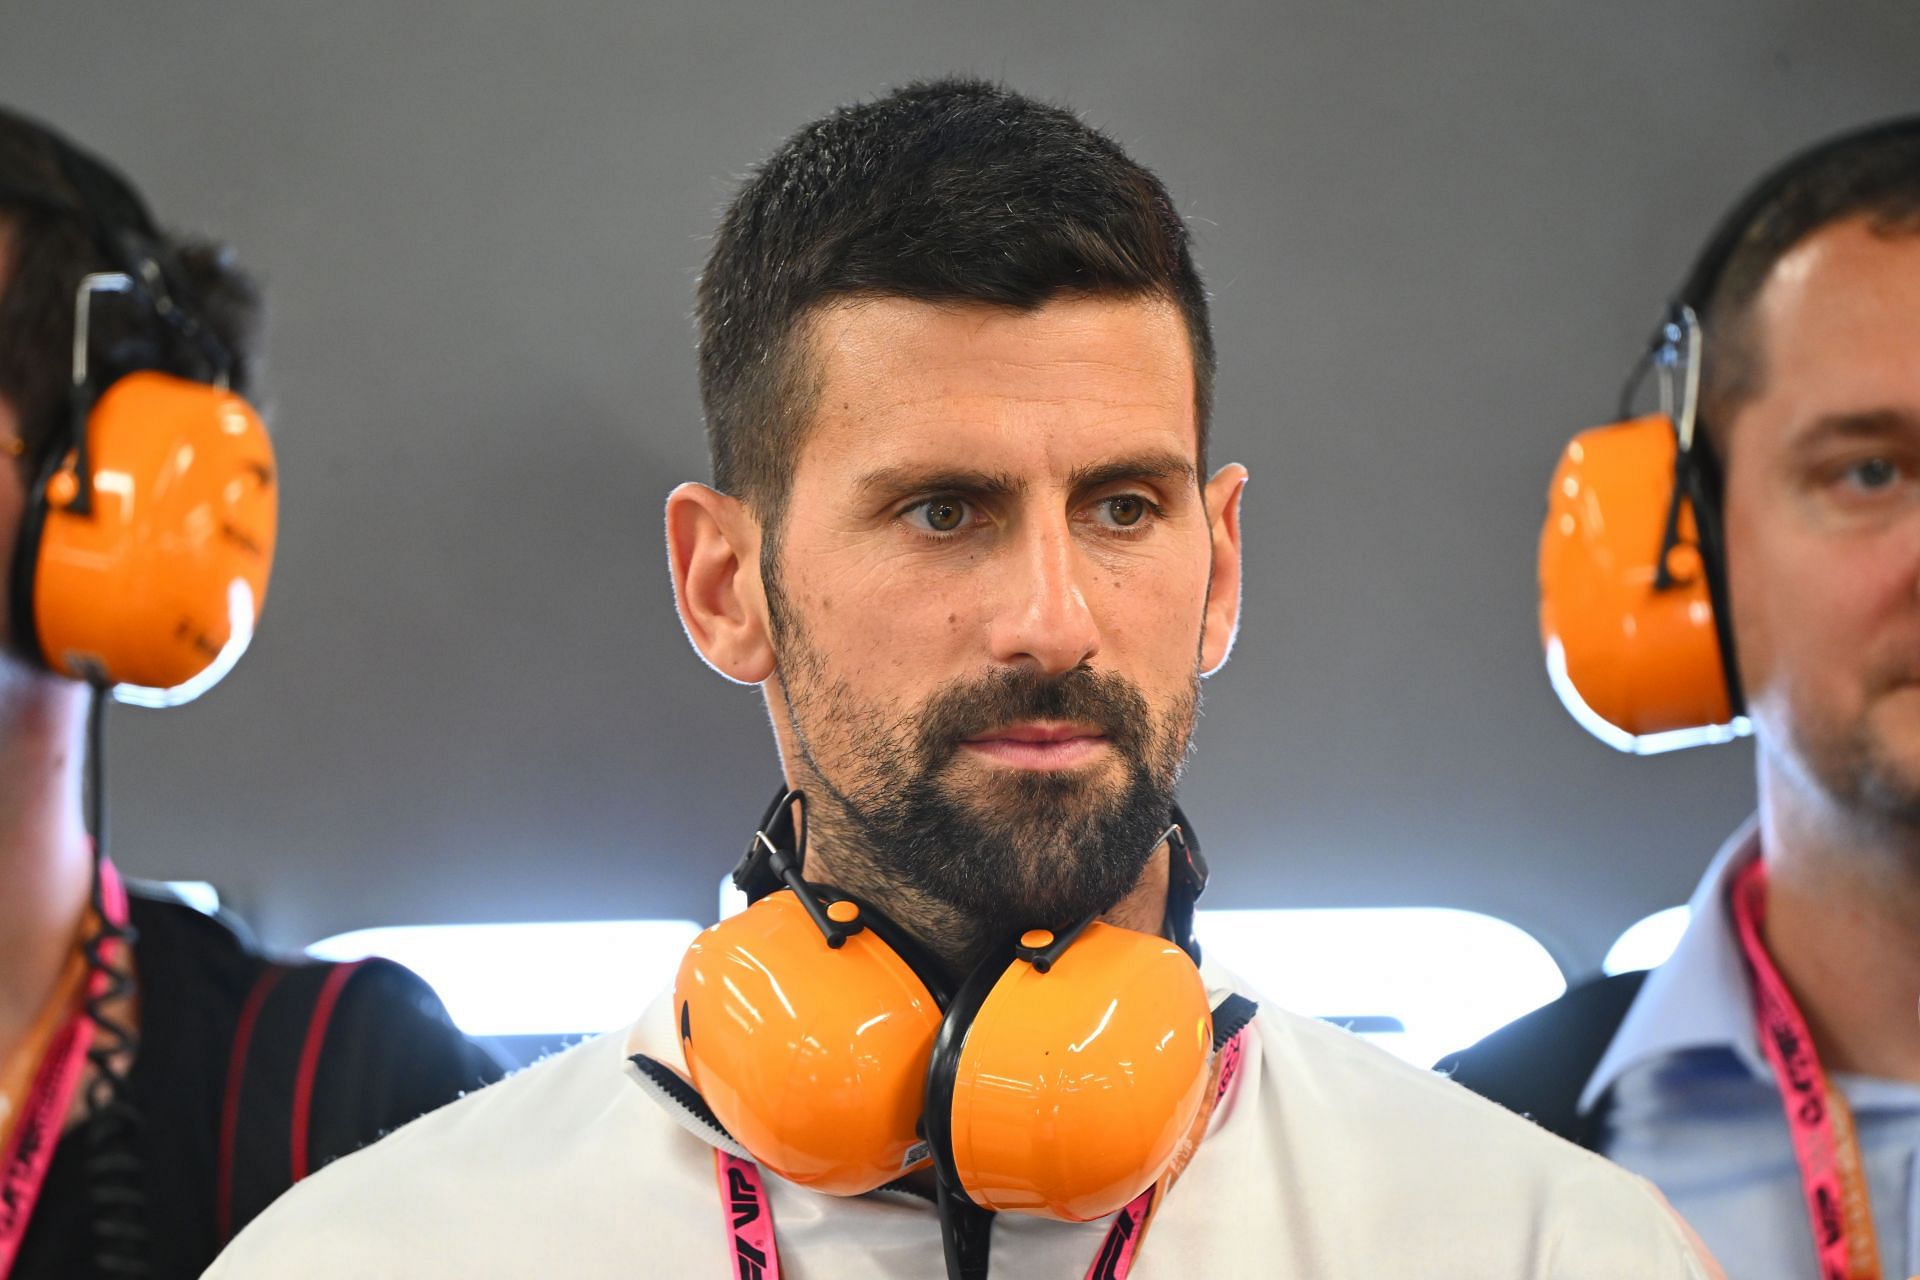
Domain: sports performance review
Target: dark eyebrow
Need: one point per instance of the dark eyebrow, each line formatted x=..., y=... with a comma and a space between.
x=899, y=481
x=1145, y=466
x=891, y=482
x=1868, y=424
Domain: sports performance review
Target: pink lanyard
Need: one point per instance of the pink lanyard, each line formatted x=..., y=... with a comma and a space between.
x=36, y=1133
x=749, y=1213
x=1831, y=1174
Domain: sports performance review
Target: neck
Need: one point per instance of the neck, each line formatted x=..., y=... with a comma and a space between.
x=1842, y=924
x=45, y=856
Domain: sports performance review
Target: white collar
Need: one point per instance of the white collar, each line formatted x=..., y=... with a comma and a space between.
x=1702, y=997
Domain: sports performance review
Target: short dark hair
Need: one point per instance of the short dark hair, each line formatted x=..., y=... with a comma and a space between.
x=51, y=235
x=953, y=190
x=1872, y=173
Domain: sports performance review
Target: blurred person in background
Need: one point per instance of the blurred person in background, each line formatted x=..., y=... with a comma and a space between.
x=1751, y=558
x=160, y=1081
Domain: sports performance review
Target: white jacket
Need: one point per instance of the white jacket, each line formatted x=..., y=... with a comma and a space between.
x=1327, y=1159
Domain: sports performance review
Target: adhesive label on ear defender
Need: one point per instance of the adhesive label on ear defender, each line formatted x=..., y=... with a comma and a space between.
x=915, y=1154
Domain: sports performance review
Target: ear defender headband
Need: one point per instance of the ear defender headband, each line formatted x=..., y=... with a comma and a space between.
x=1633, y=572
x=147, y=541
x=1056, y=1080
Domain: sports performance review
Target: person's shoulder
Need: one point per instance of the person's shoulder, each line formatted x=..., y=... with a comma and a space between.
x=1539, y=1064
x=469, y=1183
x=390, y=1009
x=183, y=947
x=1463, y=1168
x=389, y=1051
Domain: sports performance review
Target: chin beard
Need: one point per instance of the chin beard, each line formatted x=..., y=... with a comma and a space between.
x=1042, y=850
x=973, y=860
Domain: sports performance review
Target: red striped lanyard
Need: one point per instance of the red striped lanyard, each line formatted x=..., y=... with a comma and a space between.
x=1831, y=1174
x=35, y=1134
x=749, y=1213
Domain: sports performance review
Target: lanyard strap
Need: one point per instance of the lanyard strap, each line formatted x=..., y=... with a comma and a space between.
x=749, y=1210
x=1129, y=1229
x=26, y=1153
x=24, y=1063
x=749, y=1217
x=1831, y=1174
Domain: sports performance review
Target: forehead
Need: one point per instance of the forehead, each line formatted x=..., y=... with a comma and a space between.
x=1839, y=315
x=898, y=380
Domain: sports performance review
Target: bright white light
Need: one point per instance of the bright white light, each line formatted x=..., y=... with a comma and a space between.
x=1448, y=976
x=198, y=894
x=732, y=900
x=1646, y=744
x=530, y=979
x=1647, y=942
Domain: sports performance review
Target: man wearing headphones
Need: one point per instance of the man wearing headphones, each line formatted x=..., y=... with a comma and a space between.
x=957, y=369
x=1767, y=1076
x=159, y=1082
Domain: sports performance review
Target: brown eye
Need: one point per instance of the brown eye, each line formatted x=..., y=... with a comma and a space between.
x=1126, y=510
x=943, y=515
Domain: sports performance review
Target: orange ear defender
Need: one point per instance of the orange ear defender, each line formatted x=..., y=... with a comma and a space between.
x=1633, y=612
x=1056, y=1081
x=147, y=540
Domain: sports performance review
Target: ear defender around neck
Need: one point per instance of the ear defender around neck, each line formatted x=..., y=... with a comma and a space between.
x=1633, y=612
x=1056, y=1081
x=1066, y=1072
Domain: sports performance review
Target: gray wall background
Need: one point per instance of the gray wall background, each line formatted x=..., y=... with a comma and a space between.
x=1435, y=235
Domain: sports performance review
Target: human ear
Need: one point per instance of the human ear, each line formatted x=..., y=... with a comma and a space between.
x=1223, y=587
x=713, y=551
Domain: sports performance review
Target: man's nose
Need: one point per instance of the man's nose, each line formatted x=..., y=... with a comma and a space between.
x=1042, y=616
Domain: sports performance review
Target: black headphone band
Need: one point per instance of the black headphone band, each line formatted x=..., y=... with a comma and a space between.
x=943, y=1067
x=1703, y=277
x=1700, y=481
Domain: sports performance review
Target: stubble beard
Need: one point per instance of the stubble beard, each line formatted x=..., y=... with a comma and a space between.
x=1866, y=779
x=964, y=857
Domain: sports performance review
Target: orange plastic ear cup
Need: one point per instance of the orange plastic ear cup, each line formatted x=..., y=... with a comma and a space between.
x=815, y=1059
x=160, y=586
x=1644, y=661
x=1074, y=1086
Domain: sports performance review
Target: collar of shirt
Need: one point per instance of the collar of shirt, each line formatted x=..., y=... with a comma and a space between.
x=1701, y=997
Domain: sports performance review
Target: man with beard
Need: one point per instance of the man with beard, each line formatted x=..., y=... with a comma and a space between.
x=957, y=370
x=1767, y=1075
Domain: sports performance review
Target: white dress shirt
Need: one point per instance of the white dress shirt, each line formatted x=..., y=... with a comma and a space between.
x=1692, y=1106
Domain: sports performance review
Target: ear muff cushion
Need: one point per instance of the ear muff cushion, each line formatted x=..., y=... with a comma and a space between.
x=814, y=1058
x=1068, y=1091
x=165, y=577
x=1643, y=659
